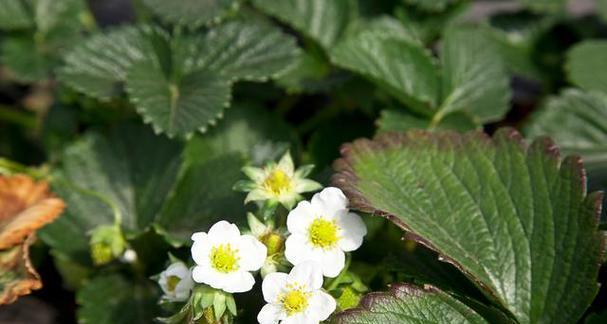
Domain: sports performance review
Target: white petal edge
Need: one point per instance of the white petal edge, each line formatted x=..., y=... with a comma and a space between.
x=252, y=253
x=223, y=232
x=272, y=286
x=200, y=250
x=297, y=250
x=300, y=218
x=270, y=314
x=237, y=282
x=333, y=261
x=322, y=304
x=329, y=201
x=352, y=229
x=308, y=273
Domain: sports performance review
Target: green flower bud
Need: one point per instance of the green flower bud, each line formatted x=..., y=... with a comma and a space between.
x=107, y=243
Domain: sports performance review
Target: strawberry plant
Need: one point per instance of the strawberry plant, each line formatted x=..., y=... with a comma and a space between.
x=302, y=161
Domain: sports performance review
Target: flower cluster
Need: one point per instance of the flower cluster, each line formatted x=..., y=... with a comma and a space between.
x=314, y=242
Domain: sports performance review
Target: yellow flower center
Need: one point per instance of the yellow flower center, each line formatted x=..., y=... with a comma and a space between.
x=323, y=233
x=172, y=282
x=224, y=258
x=295, y=300
x=277, y=182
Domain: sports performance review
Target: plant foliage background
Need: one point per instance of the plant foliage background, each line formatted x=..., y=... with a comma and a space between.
x=144, y=116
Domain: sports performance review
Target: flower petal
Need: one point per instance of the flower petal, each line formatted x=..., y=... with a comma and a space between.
x=272, y=286
x=305, y=185
x=329, y=201
x=252, y=253
x=239, y=281
x=301, y=318
x=223, y=232
x=255, y=174
x=333, y=261
x=352, y=229
x=200, y=250
x=270, y=314
x=286, y=164
x=206, y=275
x=300, y=218
x=308, y=273
x=322, y=304
x=257, y=194
x=298, y=250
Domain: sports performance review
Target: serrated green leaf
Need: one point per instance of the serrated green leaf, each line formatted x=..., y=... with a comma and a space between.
x=586, y=65
x=112, y=299
x=577, y=121
x=191, y=13
x=392, y=120
x=515, y=219
x=405, y=70
x=250, y=49
x=99, y=65
x=323, y=21
x=177, y=108
x=14, y=15
x=474, y=78
x=472, y=81
x=410, y=304
x=183, y=84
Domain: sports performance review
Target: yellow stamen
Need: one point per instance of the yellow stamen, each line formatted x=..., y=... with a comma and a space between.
x=295, y=300
x=277, y=182
x=172, y=282
x=224, y=258
x=323, y=233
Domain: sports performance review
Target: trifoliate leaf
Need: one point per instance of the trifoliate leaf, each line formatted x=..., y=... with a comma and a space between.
x=183, y=84
x=404, y=69
x=515, y=219
x=177, y=107
x=112, y=299
x=410, y=304
x=191, y=13
x=14, y=15
x=586, y=65
x=323, y=21
x=474, y=78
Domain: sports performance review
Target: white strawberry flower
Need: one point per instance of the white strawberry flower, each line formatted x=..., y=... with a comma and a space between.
x=296, y=297
x=277, y=182
x=176, y=282
x=323, y=230
x=224, y=258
